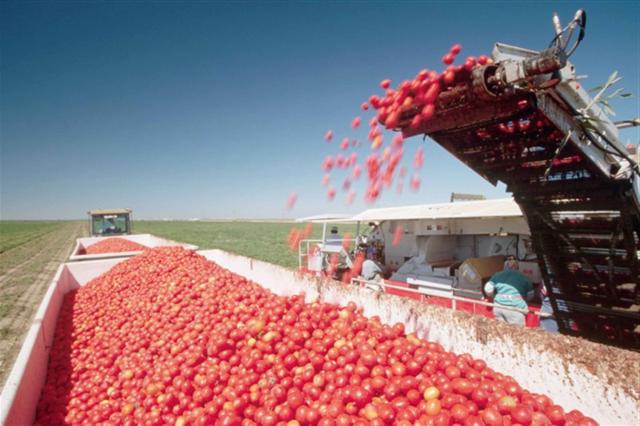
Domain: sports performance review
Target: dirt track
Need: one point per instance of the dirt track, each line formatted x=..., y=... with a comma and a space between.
x=27, y=270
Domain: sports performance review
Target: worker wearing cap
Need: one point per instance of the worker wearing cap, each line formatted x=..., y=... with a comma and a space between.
x=510, y=288
x=335, y=239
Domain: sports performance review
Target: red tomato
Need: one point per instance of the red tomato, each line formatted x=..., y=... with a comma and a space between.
x=428, y=111
x=452, y=372
x=448, y=59
x=479, y=365
x=416, y=121
x=480, y=397
x=392, y=121
x=331, y=193
x=459, y=413
x=448, y=77
x=462, y=386
x=398, y=369
x=555, y=413
x=506, y=404
x=414, y=183
x=521, y=414
x=539, y=419
x=491, y=417
x=455, y=49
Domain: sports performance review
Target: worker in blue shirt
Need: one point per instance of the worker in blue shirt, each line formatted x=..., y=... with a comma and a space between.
x=510, y=288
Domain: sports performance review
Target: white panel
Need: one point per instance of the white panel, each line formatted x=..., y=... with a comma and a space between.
x=439, y=247
x=504, y=207
x=464, y=247
x=407, y=247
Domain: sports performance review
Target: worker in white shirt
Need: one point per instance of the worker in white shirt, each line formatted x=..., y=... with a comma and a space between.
x=372, y=272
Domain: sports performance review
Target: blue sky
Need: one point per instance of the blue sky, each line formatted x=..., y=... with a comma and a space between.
x=217, y=110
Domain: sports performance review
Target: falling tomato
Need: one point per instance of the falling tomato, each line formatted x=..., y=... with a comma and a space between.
x=291, y=201
x=331, y=194
x=397, y=235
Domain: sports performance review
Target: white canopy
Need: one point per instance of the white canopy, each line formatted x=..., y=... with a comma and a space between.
x=327, y=218
x=505, y=207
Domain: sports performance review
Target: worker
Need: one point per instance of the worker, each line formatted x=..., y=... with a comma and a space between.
x=511, y=289
x=547, y=323
x=109, y=226
x=372, y=272
x=335, y=239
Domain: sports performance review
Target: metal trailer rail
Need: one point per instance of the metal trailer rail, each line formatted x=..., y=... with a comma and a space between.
x=303, y=253
x=147, y=240
x=437, y=292
x=434, y=290
x=526, y=122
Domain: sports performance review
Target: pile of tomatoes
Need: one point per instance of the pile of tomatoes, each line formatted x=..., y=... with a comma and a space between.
x=113, y=245
x=169, y=338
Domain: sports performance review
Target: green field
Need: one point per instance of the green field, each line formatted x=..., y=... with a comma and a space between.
x=260, y=240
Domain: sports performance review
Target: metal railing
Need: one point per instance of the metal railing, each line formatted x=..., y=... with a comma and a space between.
x=304, y=246
x=426, y=291
x=436, y=292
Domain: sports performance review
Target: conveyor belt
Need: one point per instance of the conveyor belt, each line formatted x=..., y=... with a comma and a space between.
x=585, y=225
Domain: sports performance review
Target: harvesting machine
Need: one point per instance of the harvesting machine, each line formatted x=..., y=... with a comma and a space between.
x=104, y=222
x=525, y=120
